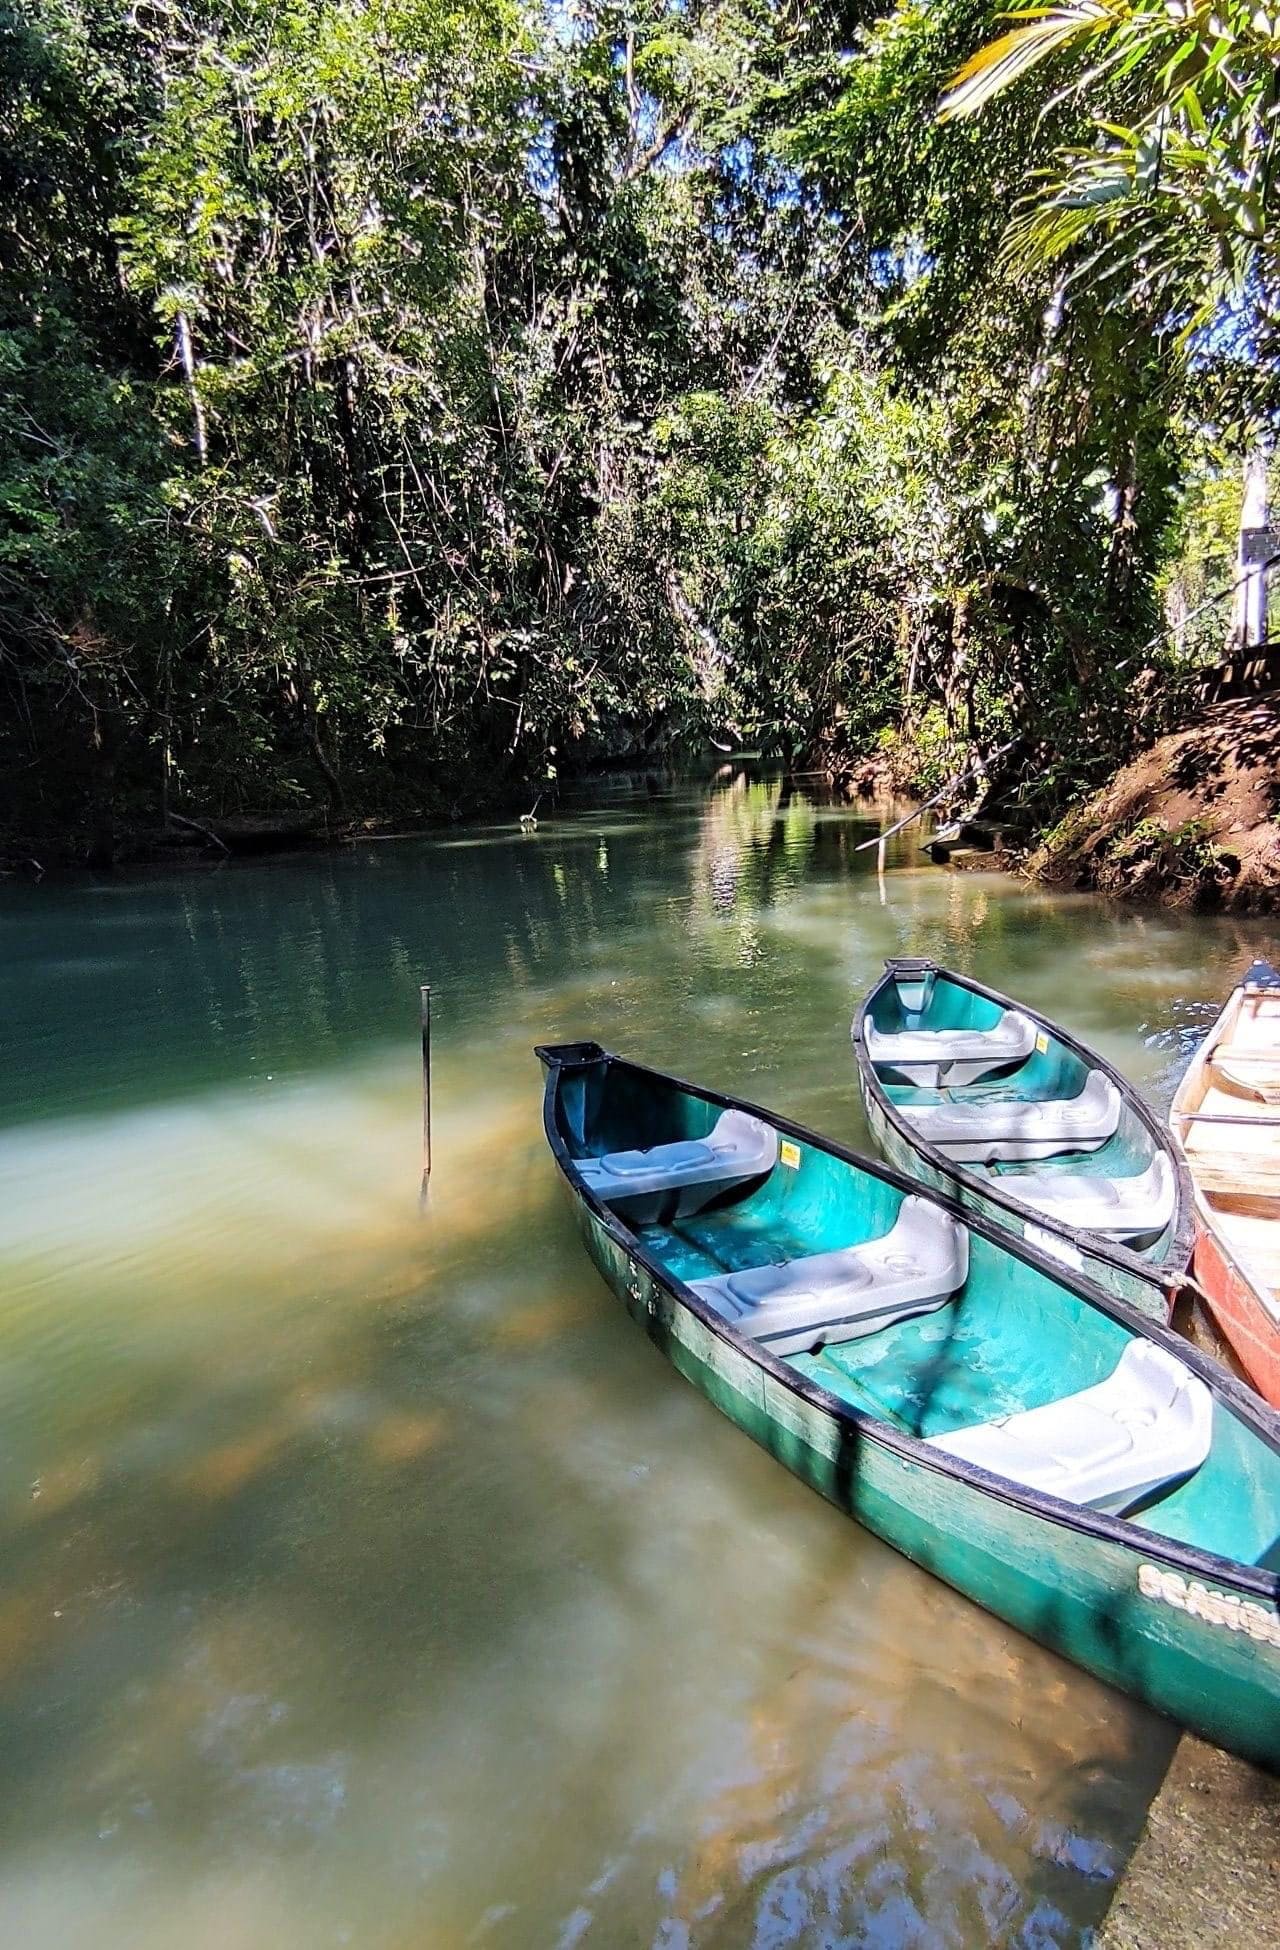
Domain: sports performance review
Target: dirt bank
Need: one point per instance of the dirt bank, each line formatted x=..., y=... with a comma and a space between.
x=1194, y=821
x=1205, y=1873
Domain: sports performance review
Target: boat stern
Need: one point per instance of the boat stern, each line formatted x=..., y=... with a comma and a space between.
x=568, y=1056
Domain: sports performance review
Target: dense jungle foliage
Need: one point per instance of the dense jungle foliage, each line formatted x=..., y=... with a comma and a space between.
x=404, y=403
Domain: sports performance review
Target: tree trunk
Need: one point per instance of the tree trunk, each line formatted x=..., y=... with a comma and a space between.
x=1121, y=556
x=100, y=849
x=311, y=728
x=1250, y=623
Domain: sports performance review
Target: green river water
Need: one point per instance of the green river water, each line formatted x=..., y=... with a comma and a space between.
x=365, y=1577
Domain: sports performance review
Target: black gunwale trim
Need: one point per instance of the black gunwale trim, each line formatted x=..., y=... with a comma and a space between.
x=1235, y=1397
x=1167, y=1274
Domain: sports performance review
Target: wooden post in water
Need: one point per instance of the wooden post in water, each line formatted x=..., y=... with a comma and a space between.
x=426, y=1085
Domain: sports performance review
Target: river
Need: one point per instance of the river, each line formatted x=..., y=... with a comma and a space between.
x=366, y=1578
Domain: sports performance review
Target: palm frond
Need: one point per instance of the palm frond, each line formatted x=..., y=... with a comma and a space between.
x=1001, y=62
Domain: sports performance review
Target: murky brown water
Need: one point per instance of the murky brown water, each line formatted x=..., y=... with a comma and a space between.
x=365, y=1578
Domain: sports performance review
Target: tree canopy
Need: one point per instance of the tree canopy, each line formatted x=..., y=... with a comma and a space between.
x=1166, y=193
x=405, y=404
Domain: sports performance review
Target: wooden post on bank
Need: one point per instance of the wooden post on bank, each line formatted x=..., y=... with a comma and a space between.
x=1257, y=542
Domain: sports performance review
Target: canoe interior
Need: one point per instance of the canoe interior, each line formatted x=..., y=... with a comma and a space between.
x=1012, y=1338
x=1053, y=1070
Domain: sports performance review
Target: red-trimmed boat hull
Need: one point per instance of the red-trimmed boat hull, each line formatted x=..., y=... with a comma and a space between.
x=1226, y=1117
x=1241, y=1314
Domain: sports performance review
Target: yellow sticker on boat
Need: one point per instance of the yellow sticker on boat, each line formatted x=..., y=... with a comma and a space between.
x=789, y=1153
x=1042, y=1043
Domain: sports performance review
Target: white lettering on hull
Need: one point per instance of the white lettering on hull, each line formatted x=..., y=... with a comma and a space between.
x=1214, y=1607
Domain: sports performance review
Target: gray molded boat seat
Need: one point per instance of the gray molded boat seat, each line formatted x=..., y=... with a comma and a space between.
x=1020, y=1127
x=737, y=1146
x=1124, y=1208
x=1148, y=1424
x=937, y=1057
x=826, y=1298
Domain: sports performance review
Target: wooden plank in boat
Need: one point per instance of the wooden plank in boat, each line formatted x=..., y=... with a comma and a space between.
x=1250, y=1071
x=1236, y=1174
x=1224, y=1117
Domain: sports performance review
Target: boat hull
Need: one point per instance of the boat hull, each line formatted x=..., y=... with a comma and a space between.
x=1189, y=1649
x=1241, y=1313
x=1238, y=1191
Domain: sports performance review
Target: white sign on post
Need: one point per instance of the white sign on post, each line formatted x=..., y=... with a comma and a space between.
x=1258, y=545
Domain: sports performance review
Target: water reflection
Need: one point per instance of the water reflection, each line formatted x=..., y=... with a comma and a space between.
x=365, y=1578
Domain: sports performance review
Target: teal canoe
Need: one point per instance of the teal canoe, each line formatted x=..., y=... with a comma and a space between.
x=1052, y=1453
x=996, y=1106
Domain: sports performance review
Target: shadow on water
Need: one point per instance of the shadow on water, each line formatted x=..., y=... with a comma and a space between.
x=368, y=1579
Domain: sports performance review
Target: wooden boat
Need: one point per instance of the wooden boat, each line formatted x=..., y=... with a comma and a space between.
x=1038, y=1444
x=1226, y=1116
x=1000, y=1108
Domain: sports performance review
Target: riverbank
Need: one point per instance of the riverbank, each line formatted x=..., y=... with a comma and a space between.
x=198, y=838
x=1194, y=821
x=1206, y=1871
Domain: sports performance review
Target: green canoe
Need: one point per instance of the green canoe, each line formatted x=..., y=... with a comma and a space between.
x=1000, y=1108
x=1036, y=1442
